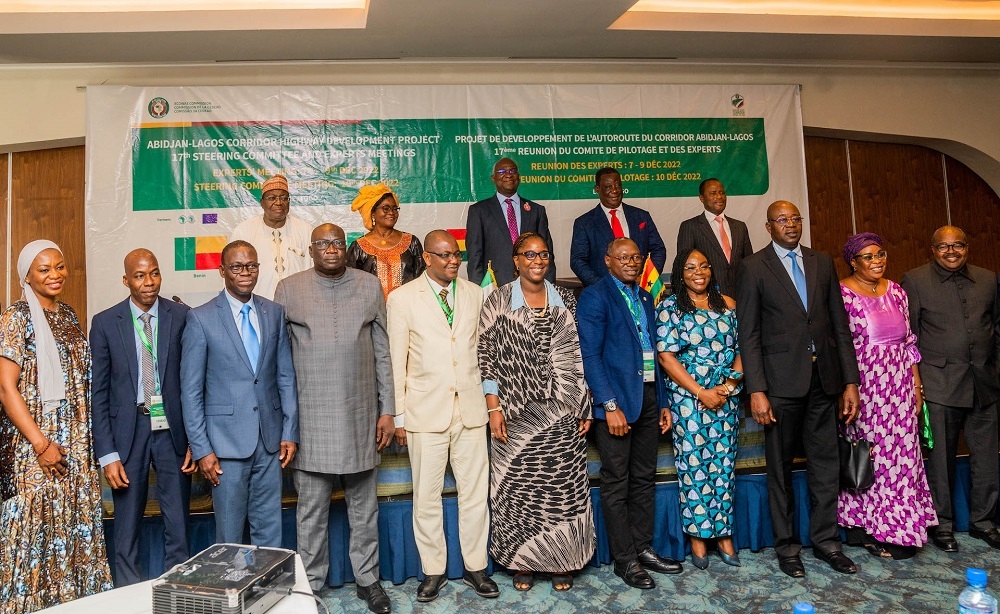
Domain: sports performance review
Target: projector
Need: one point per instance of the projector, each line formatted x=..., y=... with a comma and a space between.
x=226, y=579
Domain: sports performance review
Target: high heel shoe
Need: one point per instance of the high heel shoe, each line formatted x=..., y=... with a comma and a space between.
x=730, y=559
x=701, y=562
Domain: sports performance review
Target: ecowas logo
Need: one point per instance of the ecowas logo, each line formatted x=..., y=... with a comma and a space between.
x=737, y=102
x=158, y=107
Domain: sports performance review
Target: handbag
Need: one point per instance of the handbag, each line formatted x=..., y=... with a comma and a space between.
x=857, y=469
x=926, y=434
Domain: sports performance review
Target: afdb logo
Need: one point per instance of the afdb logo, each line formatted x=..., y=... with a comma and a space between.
x=737, y=102
x=158, y=107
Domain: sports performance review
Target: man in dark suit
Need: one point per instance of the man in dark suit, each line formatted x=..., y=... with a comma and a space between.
x=594, y=230
x=495, y=223
x=239, y=400
x=137, y=420
x=616, y=326
x=725, y=241
x=799, y=361
x=955, y=315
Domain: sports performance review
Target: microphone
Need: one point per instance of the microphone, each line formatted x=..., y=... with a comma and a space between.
x=177, y=299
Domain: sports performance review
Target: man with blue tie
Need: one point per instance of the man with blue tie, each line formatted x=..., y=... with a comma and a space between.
x=239, y=400
x=137, y=420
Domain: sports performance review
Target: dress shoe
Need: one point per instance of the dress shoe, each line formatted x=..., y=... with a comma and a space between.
x=428, y=589
x=374, y=595
x=837, y=561
x=654, y=562
x=991, y=536
x=792, y=566
x=634, y=575
x=945, y=540
x=701, y=562
x=481, y=583
x=730, y=559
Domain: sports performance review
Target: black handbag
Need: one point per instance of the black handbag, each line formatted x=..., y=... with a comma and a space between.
x=857, y=468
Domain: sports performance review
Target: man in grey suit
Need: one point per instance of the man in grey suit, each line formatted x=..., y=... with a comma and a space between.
x=725, y=241
x=955, y=315
x=340, y=349
x=238, y=400
x=495, y=223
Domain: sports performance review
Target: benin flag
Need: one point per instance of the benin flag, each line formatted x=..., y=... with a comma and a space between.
x=459, y=234
x=198, y=253
x=650, y=280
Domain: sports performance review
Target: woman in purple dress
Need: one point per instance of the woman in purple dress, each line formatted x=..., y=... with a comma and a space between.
x=890, y=519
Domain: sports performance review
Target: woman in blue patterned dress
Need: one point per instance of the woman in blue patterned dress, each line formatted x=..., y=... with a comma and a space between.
x=696, y=343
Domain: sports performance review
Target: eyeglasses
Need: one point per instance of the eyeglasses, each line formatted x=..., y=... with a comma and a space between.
x=531, y=254
x=249, y=267
x=879, y=255
x=511, y=172
x=703, y=268
x=322, y=244
x=387, y=209
x=947, y=247
x=787, y=221
x=277, y=199
x=633, y=258
x=447, y=255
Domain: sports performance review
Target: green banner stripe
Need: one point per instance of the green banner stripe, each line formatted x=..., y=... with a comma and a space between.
x=184, y=253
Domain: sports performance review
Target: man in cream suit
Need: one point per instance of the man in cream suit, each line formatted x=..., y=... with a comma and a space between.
x=441, y=410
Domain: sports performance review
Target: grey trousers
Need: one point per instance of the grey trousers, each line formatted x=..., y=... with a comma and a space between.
x=313, y=524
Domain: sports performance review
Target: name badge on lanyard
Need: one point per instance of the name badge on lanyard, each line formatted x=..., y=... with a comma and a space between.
x=157, y=418
x=648, y=367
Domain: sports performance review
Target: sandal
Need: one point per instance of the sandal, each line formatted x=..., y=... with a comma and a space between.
x=877, y=550
x=524, y=580
x=562, y=581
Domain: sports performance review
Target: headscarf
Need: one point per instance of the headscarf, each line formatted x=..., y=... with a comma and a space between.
x=857, y=243
x=277, y=182
x=51, y=385
x=368, y=196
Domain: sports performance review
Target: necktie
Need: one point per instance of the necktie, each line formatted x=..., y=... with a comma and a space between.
x=727, y=249
x=799, y=278
x=511, y=220
x=444, y=303
x=148, y=375
x=616, y=226
x=279, y=260
x=250, y=341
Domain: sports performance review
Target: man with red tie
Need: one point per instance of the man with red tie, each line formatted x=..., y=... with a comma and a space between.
x=611, y=219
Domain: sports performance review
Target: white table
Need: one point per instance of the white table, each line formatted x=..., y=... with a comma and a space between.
x=138, y=599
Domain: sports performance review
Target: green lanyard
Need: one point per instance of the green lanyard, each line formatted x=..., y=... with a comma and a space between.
x=149, y=346
x=449, y=312
x=637, y=316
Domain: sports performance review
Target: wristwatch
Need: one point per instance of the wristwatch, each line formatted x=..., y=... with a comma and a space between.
x=730, y=389
x=610, y=406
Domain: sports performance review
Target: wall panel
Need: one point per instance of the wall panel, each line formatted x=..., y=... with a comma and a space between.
x=829, y=192
x=47, y=189
x=975, y=208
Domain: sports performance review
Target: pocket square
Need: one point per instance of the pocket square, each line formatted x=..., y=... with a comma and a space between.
x=642, y=225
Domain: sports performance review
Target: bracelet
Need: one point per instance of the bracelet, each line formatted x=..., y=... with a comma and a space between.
x=47, y=444
x=490, y=411
x=700, y=388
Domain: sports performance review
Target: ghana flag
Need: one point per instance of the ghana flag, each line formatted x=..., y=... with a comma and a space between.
x=198, y=253
x=650, y=280
x=459, y=234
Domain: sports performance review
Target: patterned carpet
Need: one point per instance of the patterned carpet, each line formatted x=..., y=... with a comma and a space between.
x=929, y=582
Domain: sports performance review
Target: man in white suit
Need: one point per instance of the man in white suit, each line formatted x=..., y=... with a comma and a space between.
x=441, y=410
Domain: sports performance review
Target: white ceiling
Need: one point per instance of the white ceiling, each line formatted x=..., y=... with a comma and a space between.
x=517, y=29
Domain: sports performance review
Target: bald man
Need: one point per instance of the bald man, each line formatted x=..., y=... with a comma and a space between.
x=137, y=420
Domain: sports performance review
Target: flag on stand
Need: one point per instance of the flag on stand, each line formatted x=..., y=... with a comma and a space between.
x=650, y=280
x=489, y=283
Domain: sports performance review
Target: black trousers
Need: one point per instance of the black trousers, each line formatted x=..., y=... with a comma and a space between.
x=628, y=471
x=980, y=424
x=812, y=421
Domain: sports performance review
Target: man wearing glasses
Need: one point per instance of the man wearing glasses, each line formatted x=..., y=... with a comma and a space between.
x=954, y=313
x=239, y=402
x=495, y=224
x=799, y=364
x=281, y=239
x=441, y=411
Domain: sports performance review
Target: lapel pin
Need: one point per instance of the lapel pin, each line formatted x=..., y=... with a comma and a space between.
x=527, y=206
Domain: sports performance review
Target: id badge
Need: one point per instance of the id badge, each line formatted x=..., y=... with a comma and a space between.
x=648, y=367
x=157, y=418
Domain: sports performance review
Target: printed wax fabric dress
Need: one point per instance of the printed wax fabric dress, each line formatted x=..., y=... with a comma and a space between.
x=541, y=517
x=51, y=534
x=394, y=265
x=704, y=341
x=898, y=508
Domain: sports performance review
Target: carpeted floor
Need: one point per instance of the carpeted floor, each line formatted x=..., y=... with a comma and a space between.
x=929, y=582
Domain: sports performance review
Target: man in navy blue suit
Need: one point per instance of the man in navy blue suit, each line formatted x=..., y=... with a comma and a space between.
x=616, y=324
x=611, y=219
x=239, y=400
x=137, y=420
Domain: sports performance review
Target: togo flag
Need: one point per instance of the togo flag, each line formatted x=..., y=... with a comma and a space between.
x=650, y=280
x=489, y=283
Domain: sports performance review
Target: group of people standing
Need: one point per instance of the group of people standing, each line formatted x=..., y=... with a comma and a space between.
x=381, y=341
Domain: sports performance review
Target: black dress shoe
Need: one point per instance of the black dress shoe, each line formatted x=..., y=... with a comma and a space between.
x=634, y=575
x=837, y=561
x=428, y=589
x=654, y=562
x=481, y=583
x=792, y=566
x=991, y=536
x=374, y=595
x=945, y=540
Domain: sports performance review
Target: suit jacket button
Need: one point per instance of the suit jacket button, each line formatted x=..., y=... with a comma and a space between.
x=255, y=409
x=255, y=382
x=452, y=389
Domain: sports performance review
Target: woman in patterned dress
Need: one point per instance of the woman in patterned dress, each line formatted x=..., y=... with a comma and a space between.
x=51, y=533
x=395, y=257
x=529, y=355
x=696, y=342
x=890, y=519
